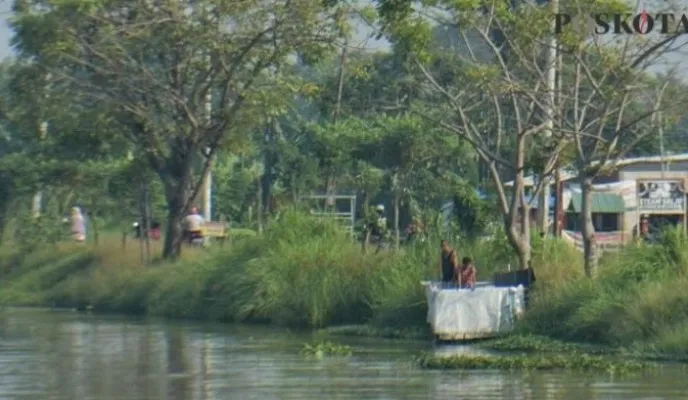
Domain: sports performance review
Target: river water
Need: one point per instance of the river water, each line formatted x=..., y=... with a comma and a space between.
x=73, y=356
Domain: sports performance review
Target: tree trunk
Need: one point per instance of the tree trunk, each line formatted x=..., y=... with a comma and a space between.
x=587, y=228
x=543, y=207
x=519, y=236
x=4, y=208
x=396, y=220
x=3, y=223
x=259, y=207
x=517, y=212
x=94, y=226
x=266, y=182
x=146, y=223
x=365, y=197
x=559, y=208
x=340, y=82
x=176, y=196
x=517, y=222
x=330, y=189
x=270, y=160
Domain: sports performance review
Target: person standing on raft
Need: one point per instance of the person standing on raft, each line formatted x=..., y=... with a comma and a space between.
x=449, y=264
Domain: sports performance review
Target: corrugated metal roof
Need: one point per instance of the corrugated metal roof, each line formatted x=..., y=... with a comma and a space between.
x=529, y=181
x=651, y=159
x=569, y=173
x=601, y=203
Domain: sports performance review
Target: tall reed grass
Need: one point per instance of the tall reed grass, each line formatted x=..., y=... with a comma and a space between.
x=300, y=272
x=640, y=298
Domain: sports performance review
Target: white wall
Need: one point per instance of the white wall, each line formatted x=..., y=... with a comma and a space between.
x=648, y=171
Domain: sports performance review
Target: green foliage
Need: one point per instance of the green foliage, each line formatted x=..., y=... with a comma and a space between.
x=637, y=300
x=31, y=232
x=301, y=272
x=415, y=124
x=153, y=70
x=403, y=333
x=542, y=344
x=234, y=188
x=323, y=349
x=471, y=212
x=534, y=362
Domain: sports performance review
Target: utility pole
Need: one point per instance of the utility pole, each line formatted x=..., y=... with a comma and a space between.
x=42, y=133
x=551, y=78
x=207, y=182
x=38, y=196
x=559, y=185
x=207, y=186
x=663, y=162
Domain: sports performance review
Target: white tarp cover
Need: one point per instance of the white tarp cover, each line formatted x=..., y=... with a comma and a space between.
x=484, y=310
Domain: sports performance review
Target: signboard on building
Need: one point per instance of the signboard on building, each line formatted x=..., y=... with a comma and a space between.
x=661, y=196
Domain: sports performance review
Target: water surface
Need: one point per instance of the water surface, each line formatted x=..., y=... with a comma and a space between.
x=65, y=355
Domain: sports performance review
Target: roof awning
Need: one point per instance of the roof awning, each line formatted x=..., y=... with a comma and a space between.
x=603, y=203
x=531, y=180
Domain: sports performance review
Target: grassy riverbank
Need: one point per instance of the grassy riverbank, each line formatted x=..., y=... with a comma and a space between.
x=300, y=272
x=306, y=273
x=640, y=300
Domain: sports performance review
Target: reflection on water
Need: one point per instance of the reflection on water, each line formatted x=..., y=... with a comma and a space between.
x=70, y=356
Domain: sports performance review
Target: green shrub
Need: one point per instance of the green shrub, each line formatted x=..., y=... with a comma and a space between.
x=640, y=297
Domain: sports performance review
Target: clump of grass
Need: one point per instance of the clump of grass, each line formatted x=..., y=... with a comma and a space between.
x=670, y=344
x=532, y=362
x=302, y=272
x=324, y=349
x=542, y=344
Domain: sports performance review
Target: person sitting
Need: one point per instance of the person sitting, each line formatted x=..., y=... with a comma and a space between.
x=193, y=226
x=448, y=264
x=154, y=230
x=137, y=230
x=641, y=232
x=466, y=274
x=414, y=232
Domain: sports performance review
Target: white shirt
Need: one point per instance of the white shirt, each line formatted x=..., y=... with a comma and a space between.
x=193, y=222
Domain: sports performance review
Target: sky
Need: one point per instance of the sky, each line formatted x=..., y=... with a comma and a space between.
x=5, y=32
x=362, y=40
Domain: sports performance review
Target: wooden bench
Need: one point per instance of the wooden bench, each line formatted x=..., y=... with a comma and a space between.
x=215, y=229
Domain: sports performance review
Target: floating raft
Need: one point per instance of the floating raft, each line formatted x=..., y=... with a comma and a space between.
x=468, y=314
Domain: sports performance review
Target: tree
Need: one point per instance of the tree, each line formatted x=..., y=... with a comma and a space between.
x=492, y=82
x=156, y=65
x=609, y=105
x=411, y=154
x=73, y=163
x=486, y=88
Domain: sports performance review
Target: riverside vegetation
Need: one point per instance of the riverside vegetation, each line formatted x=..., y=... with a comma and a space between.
x=130, y=139
x=304, y=272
